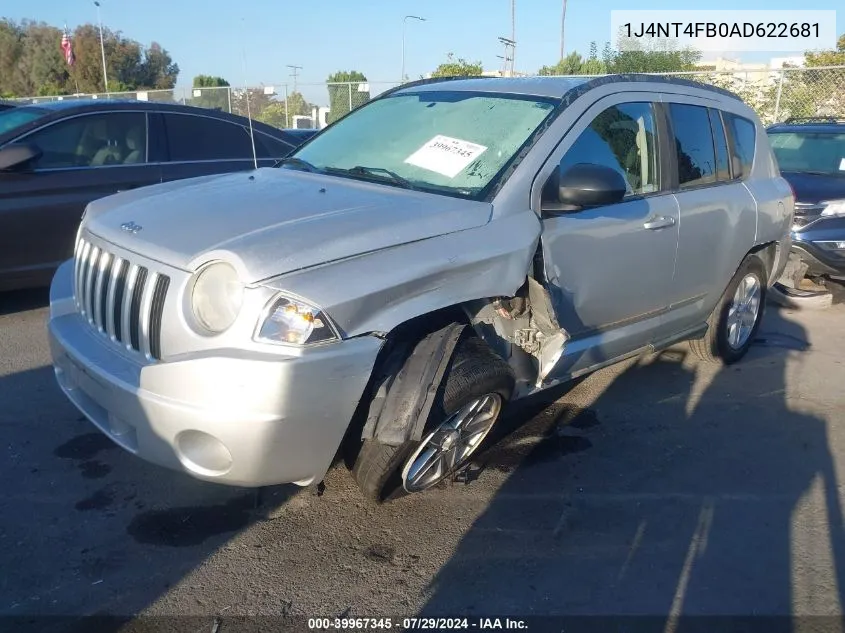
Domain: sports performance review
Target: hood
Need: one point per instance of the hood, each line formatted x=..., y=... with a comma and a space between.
x=815, y=188
x=275, y=221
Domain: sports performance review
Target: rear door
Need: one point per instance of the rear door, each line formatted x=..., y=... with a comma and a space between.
x=85, y=157
x=718, y=215
x=200, y=145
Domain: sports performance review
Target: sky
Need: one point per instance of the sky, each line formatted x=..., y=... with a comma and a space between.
x=214, y=36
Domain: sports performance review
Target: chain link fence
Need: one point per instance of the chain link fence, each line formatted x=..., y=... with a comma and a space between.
x=775, y=94
x=778, y=95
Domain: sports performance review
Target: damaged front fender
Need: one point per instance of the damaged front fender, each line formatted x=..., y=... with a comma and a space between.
x=378, y=291
x=407, y=385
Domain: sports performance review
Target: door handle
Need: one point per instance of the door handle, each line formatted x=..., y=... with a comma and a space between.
x=659, y=222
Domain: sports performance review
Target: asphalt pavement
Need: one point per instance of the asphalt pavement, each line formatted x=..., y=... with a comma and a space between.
x=662, y=486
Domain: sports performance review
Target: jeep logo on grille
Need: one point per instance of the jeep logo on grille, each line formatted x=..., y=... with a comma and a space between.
x=131, y=227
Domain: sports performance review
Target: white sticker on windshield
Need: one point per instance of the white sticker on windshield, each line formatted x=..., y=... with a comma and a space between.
x=445, y=155
x=842, y=165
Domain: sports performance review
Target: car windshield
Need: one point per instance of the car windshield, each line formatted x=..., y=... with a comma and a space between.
x=15, y=117
x=450, y=142
x=810, y=152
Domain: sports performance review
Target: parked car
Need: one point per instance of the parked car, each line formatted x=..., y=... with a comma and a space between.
x=56, y=157
x=811, y=156
x=381, y=297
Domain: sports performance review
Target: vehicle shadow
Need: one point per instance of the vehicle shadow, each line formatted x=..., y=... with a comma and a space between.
x=23, y=300
x=87, y=528
x=721, y=500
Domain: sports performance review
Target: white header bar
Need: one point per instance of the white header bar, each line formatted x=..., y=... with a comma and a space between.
x=725, y=31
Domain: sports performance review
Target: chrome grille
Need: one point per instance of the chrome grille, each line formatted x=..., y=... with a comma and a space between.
x=122, y=300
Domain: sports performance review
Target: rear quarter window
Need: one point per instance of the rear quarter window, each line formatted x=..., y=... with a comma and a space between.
x=744, y=134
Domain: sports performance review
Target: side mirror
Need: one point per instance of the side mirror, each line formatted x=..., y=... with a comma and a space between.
x=584, y=185
x=18, y=154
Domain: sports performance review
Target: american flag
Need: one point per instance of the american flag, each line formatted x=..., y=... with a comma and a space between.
x=67, y=48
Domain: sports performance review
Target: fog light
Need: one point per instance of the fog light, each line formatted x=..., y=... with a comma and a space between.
x=203, y=454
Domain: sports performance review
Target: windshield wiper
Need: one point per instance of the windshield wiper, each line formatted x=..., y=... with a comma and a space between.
x=293, y=160
x=379, y=173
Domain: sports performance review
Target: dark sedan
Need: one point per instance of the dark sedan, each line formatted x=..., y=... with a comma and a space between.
x=811, y=156
x=57, y=157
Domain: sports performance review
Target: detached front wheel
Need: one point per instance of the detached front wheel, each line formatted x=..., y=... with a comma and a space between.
x=473, y=392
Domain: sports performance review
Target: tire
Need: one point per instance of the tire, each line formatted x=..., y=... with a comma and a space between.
x=715, y=346
x=475, y=371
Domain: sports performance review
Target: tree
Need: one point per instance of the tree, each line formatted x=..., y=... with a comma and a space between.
x=41, y=66
x=215, y=97
x=297, y=105
x=569, y=65
x=158, y=70
x=574, y=64
x=280, y=114
x=827, y=58
x=458, y=68
x=32, y=62
x=258, y=101
x=593, y=65
x=11, y=46
x=207, y=81
x=659, y=58
x=347, y=91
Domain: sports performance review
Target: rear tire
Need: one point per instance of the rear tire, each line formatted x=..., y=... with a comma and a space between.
x=474, y=372
x=734, y=322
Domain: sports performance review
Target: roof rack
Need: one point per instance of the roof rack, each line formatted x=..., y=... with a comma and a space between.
x=815, y=119
x=590, y=82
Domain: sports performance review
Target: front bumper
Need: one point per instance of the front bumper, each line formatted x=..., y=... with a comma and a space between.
x=234, y=417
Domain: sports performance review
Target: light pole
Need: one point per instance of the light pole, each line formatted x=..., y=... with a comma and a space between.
x=404, y=24
x=102, y=50
x=513, y=35
x=562, y=30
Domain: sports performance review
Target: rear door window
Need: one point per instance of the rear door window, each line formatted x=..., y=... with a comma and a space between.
x=693, y=141
x=744, y=134
x=197, y=138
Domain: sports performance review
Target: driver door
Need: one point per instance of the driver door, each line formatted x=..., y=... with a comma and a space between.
x=83, y=158
x=609, y=269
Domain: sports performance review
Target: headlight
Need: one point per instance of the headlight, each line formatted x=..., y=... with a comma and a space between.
x=834, y=207
x=217, y=297
x=294, y=322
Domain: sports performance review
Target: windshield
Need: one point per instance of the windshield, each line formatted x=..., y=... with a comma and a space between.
x=455, y=142
x=14, y=117
x=810, y=152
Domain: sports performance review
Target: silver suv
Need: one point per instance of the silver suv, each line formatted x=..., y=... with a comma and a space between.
x=447, y=248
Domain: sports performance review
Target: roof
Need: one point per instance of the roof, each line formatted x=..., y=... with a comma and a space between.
x=94, y=104
x=555, y=86
x=535, y=86
x=54, y=110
